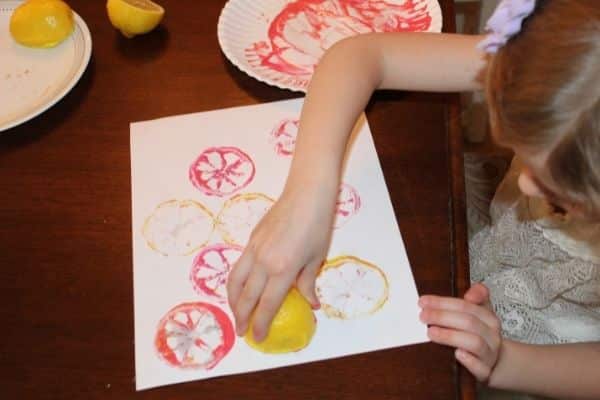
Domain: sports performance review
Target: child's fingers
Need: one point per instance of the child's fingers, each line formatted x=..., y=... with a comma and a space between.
x=473, y=343
x=459, y=305
x=458, y=321
x=248, y=298
x=306, y=283
x=479, y=369
x=478, y=294
x=270, y=301
x=237, y=277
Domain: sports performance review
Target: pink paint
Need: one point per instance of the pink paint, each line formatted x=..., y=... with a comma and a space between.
x=348, y=204
x=194, y=336
x=210, y=270
x=299, y=35
x=284, y=135
x=221, y=171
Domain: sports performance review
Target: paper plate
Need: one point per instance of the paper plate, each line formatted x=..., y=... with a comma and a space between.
x=280, y=41
x=32, y=80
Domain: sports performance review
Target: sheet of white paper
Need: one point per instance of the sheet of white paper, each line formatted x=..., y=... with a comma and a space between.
x=181, y=347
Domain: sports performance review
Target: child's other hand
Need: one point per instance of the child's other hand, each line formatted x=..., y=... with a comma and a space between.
x=287, y=246
x=467, y=324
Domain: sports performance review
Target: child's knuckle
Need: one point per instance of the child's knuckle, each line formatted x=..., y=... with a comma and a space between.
x=479, y=345
x=472, y=323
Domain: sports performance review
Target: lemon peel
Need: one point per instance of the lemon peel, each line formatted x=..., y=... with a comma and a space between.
x=292, y=328
x=134, y=17
x=41, y=23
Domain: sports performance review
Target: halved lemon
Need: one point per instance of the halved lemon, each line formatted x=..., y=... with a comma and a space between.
x=134, y=17
x=41, y=23
x=292, y=328
x=348, y=288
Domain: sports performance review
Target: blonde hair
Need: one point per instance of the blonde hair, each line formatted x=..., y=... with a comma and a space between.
x=543, y=90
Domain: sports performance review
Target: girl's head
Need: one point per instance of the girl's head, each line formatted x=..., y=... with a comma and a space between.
x=543, y=90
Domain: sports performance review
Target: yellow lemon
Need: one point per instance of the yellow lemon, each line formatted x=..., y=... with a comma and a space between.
x=41, y=23
x=292, y=328
x=134, y=17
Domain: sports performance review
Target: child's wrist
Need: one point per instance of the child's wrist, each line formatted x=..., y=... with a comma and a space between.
x=498, y=377
x=323, y=187
x=313, y=176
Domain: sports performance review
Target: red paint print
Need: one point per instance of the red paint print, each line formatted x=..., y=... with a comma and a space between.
x=347, y=205
x=284, y=136
x=194, y=335
x=210, y=270
x=299, y=35
x=221, y=171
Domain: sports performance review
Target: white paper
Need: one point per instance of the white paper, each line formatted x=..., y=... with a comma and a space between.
x=162, y=152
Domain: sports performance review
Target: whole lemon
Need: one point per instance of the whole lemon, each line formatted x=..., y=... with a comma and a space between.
x=41, y=23
x=292, y=328
x=134, y=17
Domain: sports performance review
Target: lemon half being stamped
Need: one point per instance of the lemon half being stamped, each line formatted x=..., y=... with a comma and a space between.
x=292, y=328
x=134, y=17
x=41, y=23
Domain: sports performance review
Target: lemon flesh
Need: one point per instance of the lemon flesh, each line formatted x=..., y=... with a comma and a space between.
x=292, y=328
x=134, y=17
x=41, y=23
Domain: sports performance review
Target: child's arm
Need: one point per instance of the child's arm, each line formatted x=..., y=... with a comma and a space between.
x=558, y=371
x=291, y=241
x=566, y=371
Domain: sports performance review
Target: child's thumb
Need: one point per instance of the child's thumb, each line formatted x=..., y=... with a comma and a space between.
x=478, y=294
x=306, y=284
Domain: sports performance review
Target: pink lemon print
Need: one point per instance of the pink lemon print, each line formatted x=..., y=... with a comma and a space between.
x=194, y=336
x=284, y=137
x=221, y=171
x=210, y=270
x=347, y=205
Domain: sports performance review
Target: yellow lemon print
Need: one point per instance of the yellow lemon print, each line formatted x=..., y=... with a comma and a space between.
x=348, y=288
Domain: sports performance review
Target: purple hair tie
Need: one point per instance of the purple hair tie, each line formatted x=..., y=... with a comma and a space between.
x=505, y=22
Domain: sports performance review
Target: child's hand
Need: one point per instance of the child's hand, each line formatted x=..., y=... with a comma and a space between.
x=288, y=245
x=469, y=325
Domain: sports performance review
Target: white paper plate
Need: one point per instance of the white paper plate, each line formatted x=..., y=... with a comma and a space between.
x=32, y=80
x=280, y=41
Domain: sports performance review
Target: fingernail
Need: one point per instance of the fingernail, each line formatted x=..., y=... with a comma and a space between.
x=258, y=335
x=316, y=306
x=422, y=301
x=241, y=330
x=431, y=330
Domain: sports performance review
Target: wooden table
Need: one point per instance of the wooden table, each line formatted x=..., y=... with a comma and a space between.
x=66, y=291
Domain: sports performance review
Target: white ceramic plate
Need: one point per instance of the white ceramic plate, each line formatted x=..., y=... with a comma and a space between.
x=280, y=41
x=32, y=80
